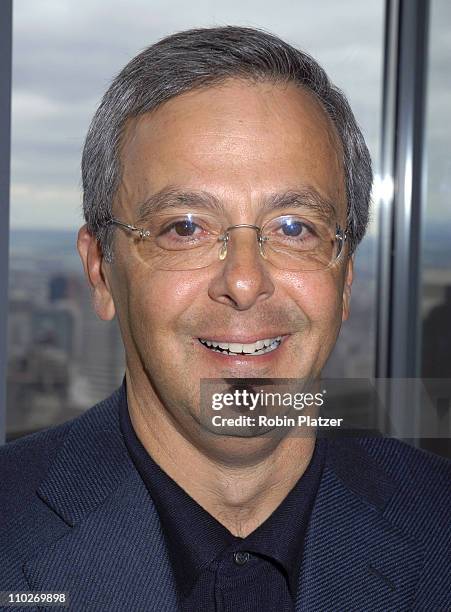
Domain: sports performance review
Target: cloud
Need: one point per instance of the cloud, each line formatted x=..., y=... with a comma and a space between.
x=45, y=207
x=66, y=53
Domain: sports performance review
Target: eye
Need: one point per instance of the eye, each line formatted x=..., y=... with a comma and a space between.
x=183, y=228
x=184, y=231
x=293, y=227
x=178, y=229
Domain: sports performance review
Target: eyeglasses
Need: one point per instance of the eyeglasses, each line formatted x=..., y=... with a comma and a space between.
x=190, y=241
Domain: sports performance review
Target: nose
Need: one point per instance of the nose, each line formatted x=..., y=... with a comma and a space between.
x=243, y=278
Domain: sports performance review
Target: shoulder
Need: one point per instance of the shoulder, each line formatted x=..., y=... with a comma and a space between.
x=409, y=465
x=420, y=508
x=393, y=458
x=404, y=482
x=25, y=462
x=420, y=503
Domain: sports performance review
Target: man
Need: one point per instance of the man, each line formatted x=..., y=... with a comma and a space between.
x=226, y=187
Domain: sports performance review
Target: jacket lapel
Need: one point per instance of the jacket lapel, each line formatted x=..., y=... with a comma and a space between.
x=114, y=556
x=355, y=558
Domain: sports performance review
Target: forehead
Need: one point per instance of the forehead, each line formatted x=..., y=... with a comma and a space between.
x=239, y=141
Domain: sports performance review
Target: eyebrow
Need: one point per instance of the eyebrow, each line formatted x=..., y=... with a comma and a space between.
x=173, y=198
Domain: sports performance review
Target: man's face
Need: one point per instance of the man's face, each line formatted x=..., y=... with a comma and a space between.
x=242, y=143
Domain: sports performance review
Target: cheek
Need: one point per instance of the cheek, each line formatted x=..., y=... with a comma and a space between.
x=318, y=296
x=159, y=300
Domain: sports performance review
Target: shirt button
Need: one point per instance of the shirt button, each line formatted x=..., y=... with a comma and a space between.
x=240, y=557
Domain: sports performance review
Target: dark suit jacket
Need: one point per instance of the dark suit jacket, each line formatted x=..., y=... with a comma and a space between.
x=76, y=517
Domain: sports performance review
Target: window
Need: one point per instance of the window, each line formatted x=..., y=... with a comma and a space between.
x=436, y=247
x=61, y=358
x=436, y=238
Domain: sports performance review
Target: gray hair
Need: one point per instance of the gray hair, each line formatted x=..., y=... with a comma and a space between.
x=200, y=58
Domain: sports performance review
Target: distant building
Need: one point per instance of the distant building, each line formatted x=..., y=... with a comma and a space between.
x=64, y=287
x=103, y=361
x=55, y=326
x=20, y=327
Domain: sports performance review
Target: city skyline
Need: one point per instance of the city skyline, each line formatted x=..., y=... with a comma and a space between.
x=63, y=359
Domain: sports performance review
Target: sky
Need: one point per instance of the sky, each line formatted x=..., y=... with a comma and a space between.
x=65, y=53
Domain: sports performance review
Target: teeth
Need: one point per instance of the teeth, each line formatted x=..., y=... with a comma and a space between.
x=249, y=348
x=235, y=348
x=257, y=348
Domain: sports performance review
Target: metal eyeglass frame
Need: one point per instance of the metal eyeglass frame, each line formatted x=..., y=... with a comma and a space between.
x=340, y=235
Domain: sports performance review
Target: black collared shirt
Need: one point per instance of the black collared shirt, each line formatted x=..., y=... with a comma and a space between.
x=214, y=570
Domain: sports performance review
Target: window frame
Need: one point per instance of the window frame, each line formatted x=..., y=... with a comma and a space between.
x=5, y=179
x=398, y=331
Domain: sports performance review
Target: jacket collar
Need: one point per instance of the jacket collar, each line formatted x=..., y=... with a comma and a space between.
x=90, y=464
x=353, y=552
x=351, y=548
x=114, y=557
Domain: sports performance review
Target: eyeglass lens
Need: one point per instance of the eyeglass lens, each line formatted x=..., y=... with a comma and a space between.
x=191, y=241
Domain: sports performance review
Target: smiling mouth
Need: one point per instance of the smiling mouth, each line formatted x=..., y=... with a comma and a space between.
x=260, y=347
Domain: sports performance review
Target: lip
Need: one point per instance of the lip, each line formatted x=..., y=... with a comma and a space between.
x=244, y=340
x=244, y=359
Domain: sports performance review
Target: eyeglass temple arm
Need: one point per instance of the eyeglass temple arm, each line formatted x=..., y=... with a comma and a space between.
x=132, y=228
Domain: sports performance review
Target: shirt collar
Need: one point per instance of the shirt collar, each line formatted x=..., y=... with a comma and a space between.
x=282, y=535
x=195, y=538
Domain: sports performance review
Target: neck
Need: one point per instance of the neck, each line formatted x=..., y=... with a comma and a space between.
x=240, y=489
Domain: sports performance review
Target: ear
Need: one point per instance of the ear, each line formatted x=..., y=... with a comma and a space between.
x=93, y=265
x=349, y=275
